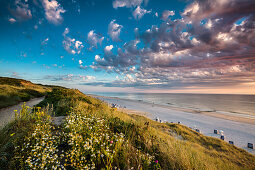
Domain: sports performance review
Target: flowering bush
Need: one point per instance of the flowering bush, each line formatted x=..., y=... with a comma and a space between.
x=39, y=148
x=83, y=141
x=92, y=143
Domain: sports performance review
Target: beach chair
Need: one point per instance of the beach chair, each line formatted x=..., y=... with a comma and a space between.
x=250, y=145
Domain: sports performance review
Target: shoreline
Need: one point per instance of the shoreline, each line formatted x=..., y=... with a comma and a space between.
x=241, y=118
x=234, y=128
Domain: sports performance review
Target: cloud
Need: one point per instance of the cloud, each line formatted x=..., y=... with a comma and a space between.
x=15, y=75
x=45, y=41
x=114, y=30
x=122, y=61
x=107, y=49
x=21, y=11
x=80, y=62
x=165, y=14
x=126, y=3
x=139, y=12
x=70, y=78
x=53, y=11
x=208, y=46
x=83, y=67
x=94, y=39
x=71, y=45
x=12, y=20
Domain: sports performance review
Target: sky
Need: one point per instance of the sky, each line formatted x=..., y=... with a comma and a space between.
x=150, y=46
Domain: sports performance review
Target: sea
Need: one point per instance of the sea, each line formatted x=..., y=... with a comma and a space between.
x=229, y=103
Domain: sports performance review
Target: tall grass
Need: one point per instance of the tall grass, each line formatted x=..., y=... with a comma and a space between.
x=13, y=91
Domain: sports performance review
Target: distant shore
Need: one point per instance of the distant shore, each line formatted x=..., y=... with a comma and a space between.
x=237, y=127
x=243, y=118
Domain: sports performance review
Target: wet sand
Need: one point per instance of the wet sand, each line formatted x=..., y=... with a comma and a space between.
x=7, y=114
x=239, y=128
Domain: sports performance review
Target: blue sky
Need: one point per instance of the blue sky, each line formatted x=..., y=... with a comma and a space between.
x=130, y=45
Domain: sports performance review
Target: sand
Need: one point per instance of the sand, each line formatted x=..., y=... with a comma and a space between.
x=7, y=114
x=237, y=127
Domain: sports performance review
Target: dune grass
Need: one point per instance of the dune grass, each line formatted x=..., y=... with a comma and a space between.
x=95, y=136
x=13, y=91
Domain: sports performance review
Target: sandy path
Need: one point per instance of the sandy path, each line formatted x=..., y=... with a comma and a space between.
x=7, y=114
x=237, y=130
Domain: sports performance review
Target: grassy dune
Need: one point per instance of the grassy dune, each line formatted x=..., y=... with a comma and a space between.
x=13, y=91
x=95, y=136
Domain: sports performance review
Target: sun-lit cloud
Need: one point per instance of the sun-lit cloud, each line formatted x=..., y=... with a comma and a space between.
x=53, y=11
x=114, y=30
x=70, y=78
x=21, y=11
x=126, y=3
x=139, y=12
x=94, y=39
x=71, y=45
x=12, y=20
x=212, y=51
x=165, y=14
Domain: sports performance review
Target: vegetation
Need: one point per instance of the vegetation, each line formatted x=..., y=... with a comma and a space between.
x=94, y=136
x=13, y=91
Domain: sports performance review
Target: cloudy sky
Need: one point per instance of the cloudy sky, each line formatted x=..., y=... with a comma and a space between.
x=200, y=46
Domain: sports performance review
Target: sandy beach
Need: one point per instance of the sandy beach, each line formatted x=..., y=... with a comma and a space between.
x=239, y=128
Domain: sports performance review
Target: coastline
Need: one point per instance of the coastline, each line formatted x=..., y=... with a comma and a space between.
x=239, y=129
x=241, y=118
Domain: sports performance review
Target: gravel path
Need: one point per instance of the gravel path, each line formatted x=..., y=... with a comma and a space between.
x=7, y=114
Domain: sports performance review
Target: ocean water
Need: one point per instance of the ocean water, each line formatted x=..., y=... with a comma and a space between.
x=230, y=103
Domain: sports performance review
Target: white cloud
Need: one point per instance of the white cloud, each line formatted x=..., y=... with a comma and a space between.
x=53, y=11
x=12, y=20
x=94, y=39
x=209, y=24
x=97, y=57
x=71, y=45
x=224, y=37
x=139, y=12
x=126, y=3
x=80, y=62
x=90, y=77
x=45, y=41
x=78, y=44
x=70, y=77
x=108, y=48
x=165, y=14
x=114, y=30
x=22, y=11
x=192, y=9
x=66, y=31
